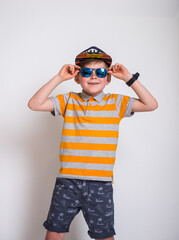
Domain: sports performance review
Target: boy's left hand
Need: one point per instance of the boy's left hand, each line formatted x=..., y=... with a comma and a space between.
x=119, y=71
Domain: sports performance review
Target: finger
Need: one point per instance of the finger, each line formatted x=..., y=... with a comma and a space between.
x=114, y=68
x=77, y=71
x=77, y=67
x=118, y=65
x=72, y=69
x=68, y=69
x=110, y=72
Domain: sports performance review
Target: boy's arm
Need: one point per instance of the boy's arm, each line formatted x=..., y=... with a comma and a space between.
x=40, y=101
x=146, y=101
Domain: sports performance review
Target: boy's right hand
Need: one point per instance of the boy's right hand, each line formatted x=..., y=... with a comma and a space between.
x=68, y=71
x=40, y=100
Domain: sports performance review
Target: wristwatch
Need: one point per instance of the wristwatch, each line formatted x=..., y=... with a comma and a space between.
x=133, y=79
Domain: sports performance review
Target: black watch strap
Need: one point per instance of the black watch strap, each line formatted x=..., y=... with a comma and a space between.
x=133, y=79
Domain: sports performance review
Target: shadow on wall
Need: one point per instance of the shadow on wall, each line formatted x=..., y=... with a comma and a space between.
x=41, y=142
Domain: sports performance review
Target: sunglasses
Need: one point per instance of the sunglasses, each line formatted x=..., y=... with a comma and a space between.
x=100, y=72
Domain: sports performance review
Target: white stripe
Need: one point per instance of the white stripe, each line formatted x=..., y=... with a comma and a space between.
x=91, y=126
x=91, y=166
x=95, y=153
x=79, y=139
x=94, y=178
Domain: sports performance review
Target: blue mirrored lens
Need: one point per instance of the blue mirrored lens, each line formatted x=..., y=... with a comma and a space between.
x=101, y=72
x=86, y=72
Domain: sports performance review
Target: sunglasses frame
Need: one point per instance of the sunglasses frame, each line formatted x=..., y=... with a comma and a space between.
x=95, y=69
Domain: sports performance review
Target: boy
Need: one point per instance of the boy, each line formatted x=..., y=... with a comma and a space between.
x=89, y=141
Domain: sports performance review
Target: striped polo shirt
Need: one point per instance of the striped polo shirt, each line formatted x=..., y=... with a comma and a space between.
x=90, y=133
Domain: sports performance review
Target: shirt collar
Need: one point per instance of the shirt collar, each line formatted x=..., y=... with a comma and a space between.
x=98, y=98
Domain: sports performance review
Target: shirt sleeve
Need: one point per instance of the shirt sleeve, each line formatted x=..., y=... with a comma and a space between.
x=124, y=105
x=59, y=104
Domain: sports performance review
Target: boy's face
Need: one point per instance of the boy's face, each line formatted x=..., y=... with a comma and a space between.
x=93, y=85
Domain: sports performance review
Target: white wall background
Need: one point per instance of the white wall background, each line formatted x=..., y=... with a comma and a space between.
x=37, y=38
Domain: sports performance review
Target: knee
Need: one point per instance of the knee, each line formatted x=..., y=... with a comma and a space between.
x=54, y=236
x=110, y=238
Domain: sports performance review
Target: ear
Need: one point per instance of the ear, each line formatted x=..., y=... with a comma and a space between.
x=77, y=79
x=108, y=79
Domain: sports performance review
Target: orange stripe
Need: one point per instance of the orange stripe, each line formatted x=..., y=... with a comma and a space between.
x=86, y=172
x=107, y=107
x=88, y=146
x=62, y=103
x=87, y=159
x=90, y=133
x=97, y=120
x=78, y=97
x=124, y=102
x=109, y=97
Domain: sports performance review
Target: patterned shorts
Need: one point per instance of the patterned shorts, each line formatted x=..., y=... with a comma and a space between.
x=94, y=198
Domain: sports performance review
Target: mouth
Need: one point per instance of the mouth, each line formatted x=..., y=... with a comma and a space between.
x=93, y=83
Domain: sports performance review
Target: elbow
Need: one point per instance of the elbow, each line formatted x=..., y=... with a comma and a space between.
x=31, y=105
x=154, y=105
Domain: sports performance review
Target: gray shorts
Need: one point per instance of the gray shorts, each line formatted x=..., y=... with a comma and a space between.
x=94, y=198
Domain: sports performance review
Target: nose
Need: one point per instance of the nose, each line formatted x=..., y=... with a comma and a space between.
x=93, y=74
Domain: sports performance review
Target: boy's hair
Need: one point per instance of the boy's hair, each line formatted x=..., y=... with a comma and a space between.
x=91, y=60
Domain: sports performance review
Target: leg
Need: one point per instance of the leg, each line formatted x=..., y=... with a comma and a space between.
x=54, y=236
x=64, y=207
x=98, y=210
x=111, y=238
